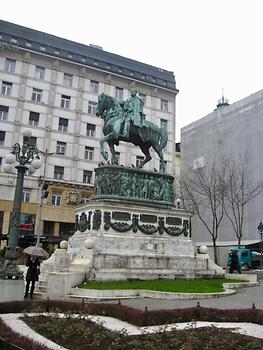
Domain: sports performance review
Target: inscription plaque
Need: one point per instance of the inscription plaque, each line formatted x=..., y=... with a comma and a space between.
x=173, y=221
x=152, y=219
x=120, y=215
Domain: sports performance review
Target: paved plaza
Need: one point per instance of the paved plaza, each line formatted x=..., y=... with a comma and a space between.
x=244, y=298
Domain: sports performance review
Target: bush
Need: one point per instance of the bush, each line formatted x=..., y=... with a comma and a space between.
x=135, y=316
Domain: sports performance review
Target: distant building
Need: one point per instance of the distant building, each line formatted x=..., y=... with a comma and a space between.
x=229, y=131
x=51, y=85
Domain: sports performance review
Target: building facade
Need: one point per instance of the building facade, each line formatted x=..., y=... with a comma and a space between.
x=51, y=85
x=230, y=132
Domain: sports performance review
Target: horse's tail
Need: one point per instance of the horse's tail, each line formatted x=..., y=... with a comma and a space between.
x=163, y=138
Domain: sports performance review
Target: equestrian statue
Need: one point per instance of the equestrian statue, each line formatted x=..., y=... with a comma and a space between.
x=125, y=121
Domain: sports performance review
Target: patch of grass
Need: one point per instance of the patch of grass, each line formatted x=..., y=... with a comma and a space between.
x=176, y=286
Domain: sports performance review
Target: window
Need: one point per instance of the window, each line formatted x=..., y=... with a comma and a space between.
x=10, y=65
x=119, y=93
x=56, y=198
x=90, y=130
x=32, y=141
x=61, y=147
x=68, y=80
x=164, y=105
x=36, y=95
x=84, y=197
x=2, y=137
x=4, y=112
x=139, y=160
x=92, y=107
x=87, y=175
x=28, y=219
x=6, y=88
x=65, y=101
x=33, y=118
x=40, y=73
x=164, y=124
x=58, y=172
x=94, y=87
x=63, y=124
x=89, y=153
x=26, y=195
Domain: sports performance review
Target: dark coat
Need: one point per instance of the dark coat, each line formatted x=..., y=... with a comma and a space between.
x=33, y=270
x=234, y=262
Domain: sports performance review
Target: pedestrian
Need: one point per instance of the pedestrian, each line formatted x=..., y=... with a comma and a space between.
x=234, y=262
x=32, y=274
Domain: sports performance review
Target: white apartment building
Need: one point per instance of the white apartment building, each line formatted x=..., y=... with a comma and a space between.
x=51, y=85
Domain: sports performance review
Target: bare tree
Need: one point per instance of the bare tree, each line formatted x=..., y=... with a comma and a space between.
x=203, y=193
x=239, y=192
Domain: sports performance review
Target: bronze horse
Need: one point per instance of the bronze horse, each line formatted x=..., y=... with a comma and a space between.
x=147, y=136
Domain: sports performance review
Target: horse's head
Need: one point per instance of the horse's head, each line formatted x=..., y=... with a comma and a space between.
x=102, y=106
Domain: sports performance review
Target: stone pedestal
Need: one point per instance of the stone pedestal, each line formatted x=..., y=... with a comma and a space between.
x=132, y=241
x=12, y=290
x=129, y=230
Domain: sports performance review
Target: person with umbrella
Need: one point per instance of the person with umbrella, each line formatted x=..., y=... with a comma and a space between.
x=32, y=274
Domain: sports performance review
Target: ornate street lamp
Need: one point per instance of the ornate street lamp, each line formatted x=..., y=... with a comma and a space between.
x=22, y=158
x=260, y=230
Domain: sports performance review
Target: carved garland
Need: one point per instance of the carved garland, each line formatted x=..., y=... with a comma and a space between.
x=83, y=223
x=96, y=222
x=146, y=229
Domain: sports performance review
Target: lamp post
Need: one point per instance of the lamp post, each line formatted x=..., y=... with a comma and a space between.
x=260, y=230
x=22, y=158
x=44, y=193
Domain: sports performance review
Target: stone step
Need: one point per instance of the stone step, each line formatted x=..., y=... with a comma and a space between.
x=41, y=287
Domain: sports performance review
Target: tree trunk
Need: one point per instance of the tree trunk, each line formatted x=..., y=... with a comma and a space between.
x=215, y=251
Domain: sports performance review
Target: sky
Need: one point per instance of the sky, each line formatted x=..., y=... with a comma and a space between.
x=210, y=45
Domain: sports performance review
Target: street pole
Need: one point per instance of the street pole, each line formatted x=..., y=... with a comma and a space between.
x=40, y=225
x=261, y=253
x=260, y=230
x=27, y=157
x=10, y=269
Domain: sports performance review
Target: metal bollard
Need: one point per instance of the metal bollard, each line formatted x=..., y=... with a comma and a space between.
x=47, y=305
x=82, y=304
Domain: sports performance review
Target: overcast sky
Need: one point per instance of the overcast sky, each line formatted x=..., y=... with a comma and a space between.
x=208, y=44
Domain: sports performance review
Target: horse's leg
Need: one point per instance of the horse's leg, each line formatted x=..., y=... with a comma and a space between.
x=145, y=151
x=102, y=141
x=113, y=153
x=160, y=154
